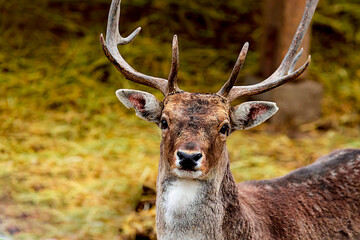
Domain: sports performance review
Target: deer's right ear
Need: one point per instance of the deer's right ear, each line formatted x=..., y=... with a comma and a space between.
x=145, y=104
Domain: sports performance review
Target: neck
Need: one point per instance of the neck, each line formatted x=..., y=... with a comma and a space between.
x=199, y=209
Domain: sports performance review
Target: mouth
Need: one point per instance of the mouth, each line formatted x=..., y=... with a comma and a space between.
x=187, y=173
x=188, y=170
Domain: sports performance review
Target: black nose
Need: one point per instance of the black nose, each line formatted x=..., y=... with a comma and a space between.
x=188, y=161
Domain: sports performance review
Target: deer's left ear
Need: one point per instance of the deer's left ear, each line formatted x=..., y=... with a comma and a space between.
x=251, y=114
x=145, y=104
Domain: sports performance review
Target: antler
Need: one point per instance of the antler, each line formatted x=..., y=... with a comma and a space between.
x=284, y=73
x=113, y=38
x=172, y=86
x=226, y=88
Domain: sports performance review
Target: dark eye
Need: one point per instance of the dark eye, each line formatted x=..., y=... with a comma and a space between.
x=163, y=124
x=224, y=129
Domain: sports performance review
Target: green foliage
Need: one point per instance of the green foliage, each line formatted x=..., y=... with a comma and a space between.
x=74, y=162
x=336, y=40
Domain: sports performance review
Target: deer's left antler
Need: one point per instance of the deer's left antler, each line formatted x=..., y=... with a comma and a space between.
x=285, y=71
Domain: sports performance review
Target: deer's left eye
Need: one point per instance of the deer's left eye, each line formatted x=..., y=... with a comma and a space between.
x=163, y=124
x=224, y=129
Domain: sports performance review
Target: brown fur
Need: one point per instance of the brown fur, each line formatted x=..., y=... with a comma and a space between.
x=320, y=201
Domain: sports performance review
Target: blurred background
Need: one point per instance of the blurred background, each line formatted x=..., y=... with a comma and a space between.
x=76, y=164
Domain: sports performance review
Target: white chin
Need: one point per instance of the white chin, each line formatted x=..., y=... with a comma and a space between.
x=187, y=174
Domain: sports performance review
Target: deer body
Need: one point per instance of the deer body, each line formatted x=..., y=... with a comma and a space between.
x=320, y=201
x=197, y=197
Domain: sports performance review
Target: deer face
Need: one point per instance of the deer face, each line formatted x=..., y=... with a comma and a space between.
x=195, y=127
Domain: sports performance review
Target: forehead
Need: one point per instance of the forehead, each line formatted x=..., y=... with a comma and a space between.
x=202, y=106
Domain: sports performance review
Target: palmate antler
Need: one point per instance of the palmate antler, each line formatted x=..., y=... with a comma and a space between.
x=285, y=71
x=113, y=38
x=283, y=74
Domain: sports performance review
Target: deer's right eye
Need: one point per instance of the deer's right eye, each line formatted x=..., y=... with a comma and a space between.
x=163, y=124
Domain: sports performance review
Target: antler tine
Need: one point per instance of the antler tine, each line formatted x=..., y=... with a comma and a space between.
x=113, y=38
x=286, y=67
x=172, y=80
x=225, y=90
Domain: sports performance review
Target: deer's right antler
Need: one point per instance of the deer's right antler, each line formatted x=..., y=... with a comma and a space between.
x=113, y=38
x=285, y=71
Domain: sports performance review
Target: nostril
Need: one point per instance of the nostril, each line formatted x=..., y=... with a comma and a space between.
x=197, y=156
x=180, y=155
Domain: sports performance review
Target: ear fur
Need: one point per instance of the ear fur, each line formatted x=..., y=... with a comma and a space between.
x=251, y=114
x=145, y=104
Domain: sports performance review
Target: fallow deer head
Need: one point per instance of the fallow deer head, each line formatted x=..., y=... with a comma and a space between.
x=195, y=126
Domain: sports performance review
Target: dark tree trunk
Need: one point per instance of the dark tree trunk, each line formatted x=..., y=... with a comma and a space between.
x=300, y=101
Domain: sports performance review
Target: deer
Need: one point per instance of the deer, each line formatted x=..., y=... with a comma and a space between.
x=197, y=196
